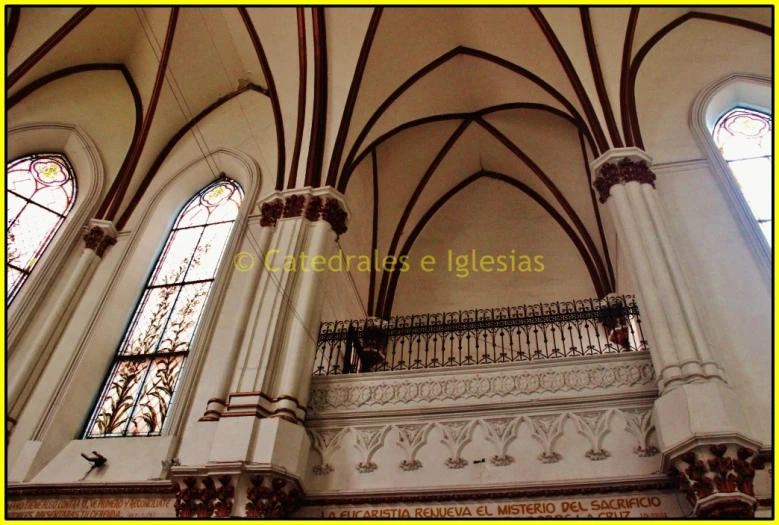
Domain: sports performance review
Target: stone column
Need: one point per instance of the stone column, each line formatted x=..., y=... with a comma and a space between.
x=22, y=379
x=270, y=213
x=258, y=407
x=700, y=425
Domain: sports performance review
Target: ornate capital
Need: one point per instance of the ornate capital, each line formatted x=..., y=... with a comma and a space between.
x=313, y=205
x=206, y=500
x=293, y=206
x=335, y=215
x=719, y=480
x=100, y=236
x=271, y=212
x=624, y=171
x=271, y=497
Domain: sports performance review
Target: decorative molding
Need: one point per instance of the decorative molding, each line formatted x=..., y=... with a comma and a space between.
x=335, y=393
x=500, y=432
x=412, y=437
x=369, y=440
x=593, y=425
x=271, y=497
x=639, y=423
x=546, y=429
x=325, y=442
x=15, y=490
x=455, y=435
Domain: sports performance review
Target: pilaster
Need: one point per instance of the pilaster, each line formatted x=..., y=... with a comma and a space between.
x=702, y=431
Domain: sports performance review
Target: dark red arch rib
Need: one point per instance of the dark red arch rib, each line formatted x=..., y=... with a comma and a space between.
x=461, y=116
x=597, y=75
x=569, y=211
x=627, y=52
x=84, y=68
x=460, y=50
x=274, y=97
x=303, y=65
x=612, y=282
x=415, y=196
x=573, y=77
x=316, y=147
x=163, y=154
x=13, y=25
x=351, y=98
x=374, y=233
x=642, y=53
x=35, y=85
x=110, y=206
x=390, y=297
x=17, y=74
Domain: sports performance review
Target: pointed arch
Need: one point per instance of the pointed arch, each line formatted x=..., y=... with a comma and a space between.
x=385, y=301
x=139, y=390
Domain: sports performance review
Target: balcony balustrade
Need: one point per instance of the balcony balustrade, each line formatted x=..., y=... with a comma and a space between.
x=481, y=336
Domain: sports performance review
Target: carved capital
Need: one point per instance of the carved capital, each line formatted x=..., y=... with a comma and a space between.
x=719, y=480
x=335, y=215
x=271, y=497
x=313, y=205
x=313, y=208
x=293, y=206
x=98, y=239
x=203, y=499
x=622, y=172
x=270, y=212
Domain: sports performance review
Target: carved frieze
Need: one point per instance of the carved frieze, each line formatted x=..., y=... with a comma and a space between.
x=339, y=394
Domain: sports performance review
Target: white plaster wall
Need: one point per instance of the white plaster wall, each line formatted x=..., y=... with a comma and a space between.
x=730, y=296
x=493, y=218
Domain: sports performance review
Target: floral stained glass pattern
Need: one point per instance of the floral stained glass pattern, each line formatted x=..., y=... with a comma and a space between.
x=40, y=191
x=139, y=391
x=744, y=138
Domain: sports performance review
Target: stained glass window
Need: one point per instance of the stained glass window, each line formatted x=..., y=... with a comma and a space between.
x=138, y=393
x=744, y=138
x=40, y=191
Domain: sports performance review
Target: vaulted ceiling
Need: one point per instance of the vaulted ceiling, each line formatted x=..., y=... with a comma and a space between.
x=395, y=107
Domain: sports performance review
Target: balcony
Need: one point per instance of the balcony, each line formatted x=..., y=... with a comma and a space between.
x=554, y=394
x=534, y=332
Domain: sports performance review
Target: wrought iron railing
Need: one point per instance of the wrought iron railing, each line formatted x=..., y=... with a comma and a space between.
x=473, y=337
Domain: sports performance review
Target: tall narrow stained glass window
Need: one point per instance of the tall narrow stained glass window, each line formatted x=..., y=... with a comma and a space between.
x=744, y=138
x=138, y=393
x=40, y=192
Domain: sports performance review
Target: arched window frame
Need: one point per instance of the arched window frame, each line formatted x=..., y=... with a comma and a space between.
x=72, y=142
x=720, y=131
x=164, y=277
x=736, y=90
x=113, y=301
x=66, y=186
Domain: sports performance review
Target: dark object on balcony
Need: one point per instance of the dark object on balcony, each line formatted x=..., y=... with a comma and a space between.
x=374, y=347
x=481, y=336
